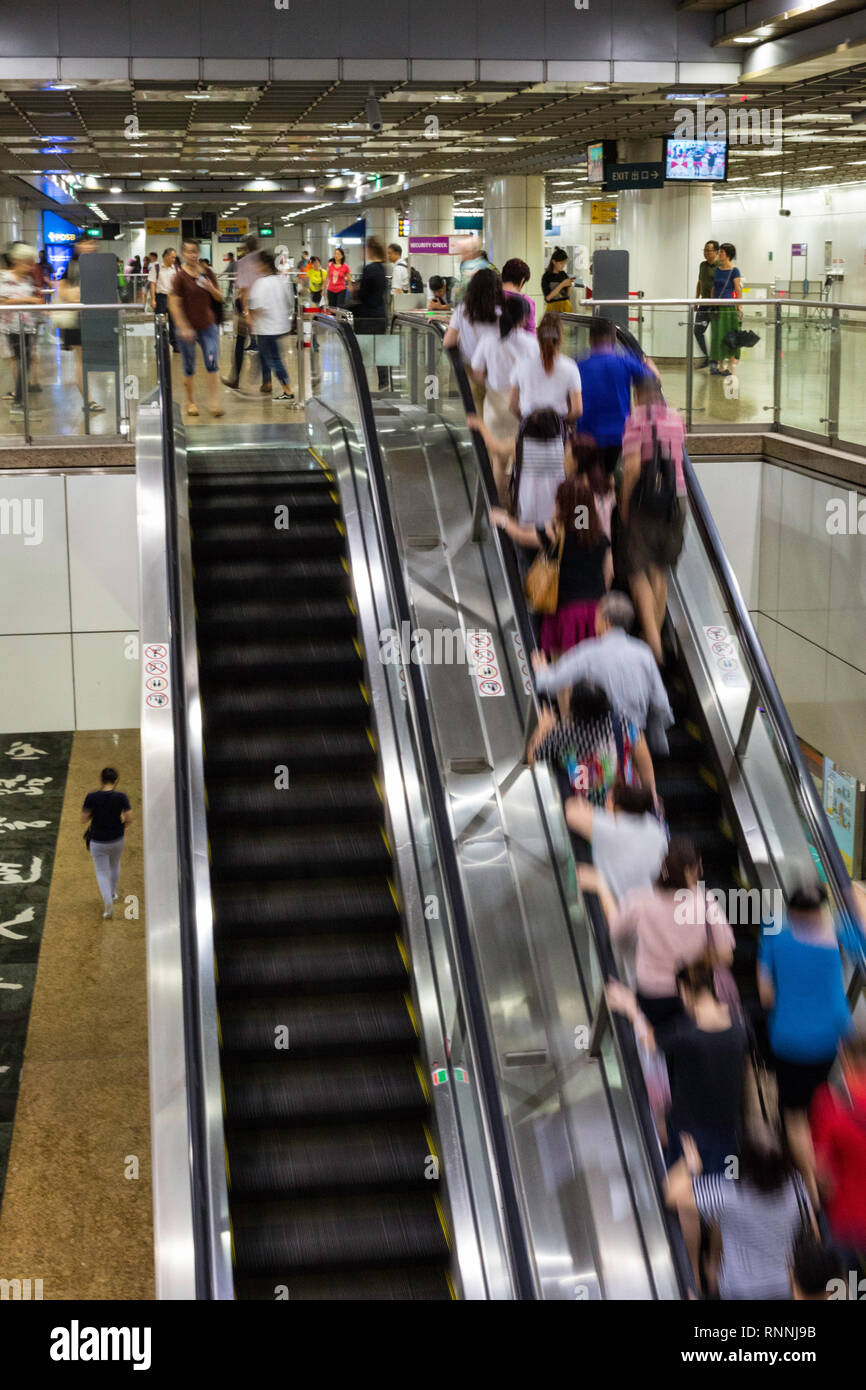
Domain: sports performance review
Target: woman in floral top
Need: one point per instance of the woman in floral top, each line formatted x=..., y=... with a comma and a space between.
x=594, y=748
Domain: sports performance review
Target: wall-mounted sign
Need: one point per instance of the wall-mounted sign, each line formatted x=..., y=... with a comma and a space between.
x=59, y=238
x=403, y=225
x=799, y=248
x=232, y=228
x=162, y=226
x=843, y=802
x=634, y=175
x=436, y=245
x=602, y=213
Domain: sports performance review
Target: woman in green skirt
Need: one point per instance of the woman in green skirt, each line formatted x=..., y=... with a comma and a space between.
x=728, y=286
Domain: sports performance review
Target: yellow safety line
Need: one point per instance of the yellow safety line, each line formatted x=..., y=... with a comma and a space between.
x=422, y=1077
x=431, y=1147
x=451, y=1289
x=384, y=835
x=345, y=563
x=394, y=895
x=411, y=1012
x=228, y=1167
x=693, y=729
x=443, y=1223
x=364, y=691
x=378, y=788
x=372, y=738
x=219, y=1029
x=401, y=947
x=708, y=778
x=319, y=460
x=358, y=648
x=352, y=609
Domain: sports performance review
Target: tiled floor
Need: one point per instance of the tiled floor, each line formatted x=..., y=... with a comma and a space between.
x=77, y=1206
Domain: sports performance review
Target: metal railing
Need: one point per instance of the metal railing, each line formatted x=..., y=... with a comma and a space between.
x=802, y=377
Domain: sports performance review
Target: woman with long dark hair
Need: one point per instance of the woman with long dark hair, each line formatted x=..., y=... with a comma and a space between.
x=480, y=307
x=545, y=396
x=338, y=279
x=494, y=360
x=556, y=284
x=575, y=534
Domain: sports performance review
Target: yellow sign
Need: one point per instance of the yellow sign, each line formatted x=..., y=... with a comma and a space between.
x=233, y=228
x=602, y=212
x=162, y=226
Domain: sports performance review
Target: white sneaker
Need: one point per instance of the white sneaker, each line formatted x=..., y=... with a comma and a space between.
x=116, y=896
x=285, y=396
x=109, y=913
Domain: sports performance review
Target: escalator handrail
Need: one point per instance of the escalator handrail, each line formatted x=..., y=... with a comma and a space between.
x=473, y=997
x=627, y=1045
x=196, y=1096
x=770, y=698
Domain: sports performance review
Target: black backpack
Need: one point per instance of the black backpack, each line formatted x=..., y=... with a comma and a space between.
x=655, y=493
x=416, y=281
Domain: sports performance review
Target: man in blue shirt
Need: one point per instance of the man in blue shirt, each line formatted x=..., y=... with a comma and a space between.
x=606, y=379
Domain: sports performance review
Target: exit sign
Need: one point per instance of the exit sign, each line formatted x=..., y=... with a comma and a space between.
x=94, y=232
x=266, y=229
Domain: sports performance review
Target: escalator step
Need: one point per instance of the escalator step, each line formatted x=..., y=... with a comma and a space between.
x=289, y=852
x=303, y=749
x=321, y=1233
x=306, y=801
x=248, y=659
x=302, y=617
x=306, y=479
x=276, y=703
x=332, y=905
x=309, y=1026
x=218, y=542
x=333, y=1158
x=324, y=1090
x=257, y=501
x=312, y=964
x=429, y=1284
x=683, y=746
x=224, y=580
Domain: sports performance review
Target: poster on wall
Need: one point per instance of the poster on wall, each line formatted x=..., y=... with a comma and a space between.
x=843, y=799
x=58, y=238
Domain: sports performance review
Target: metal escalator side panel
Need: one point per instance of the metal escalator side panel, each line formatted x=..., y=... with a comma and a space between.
x=482, y=1272
x=188, y=1213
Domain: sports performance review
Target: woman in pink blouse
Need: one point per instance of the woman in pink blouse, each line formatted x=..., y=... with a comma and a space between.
x=674, y=926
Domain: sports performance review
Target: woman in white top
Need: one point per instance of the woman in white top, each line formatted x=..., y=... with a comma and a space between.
x=270, y=306
x=501, y=349
x=545, y=397
x=479, y=310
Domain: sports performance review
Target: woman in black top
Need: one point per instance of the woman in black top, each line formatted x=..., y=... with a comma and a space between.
x=585, y=569
x=106, y=814
x=370, y=308
x=556, y=283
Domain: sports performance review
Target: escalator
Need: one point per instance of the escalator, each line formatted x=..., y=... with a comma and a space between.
x=328, y=1124
x=733, y=781
x=318, y=1054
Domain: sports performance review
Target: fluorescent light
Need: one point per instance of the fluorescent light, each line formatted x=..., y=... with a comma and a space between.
x=770, y=174
x=115, y=188
x=746, y=38
x=197, y=96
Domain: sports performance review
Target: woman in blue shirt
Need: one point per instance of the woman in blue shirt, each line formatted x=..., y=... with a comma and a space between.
x=800, y=983
x=727, y=285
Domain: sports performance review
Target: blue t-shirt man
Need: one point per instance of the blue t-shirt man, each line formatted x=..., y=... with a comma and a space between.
x=606, y=379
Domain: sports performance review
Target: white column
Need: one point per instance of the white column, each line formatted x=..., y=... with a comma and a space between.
x=317, y=243
x=432, y=215
x=11, y=221
x=664, y=231
x=514, y=226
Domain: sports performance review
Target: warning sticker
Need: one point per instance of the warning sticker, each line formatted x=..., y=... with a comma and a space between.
x=484, y=664
x=156, y=676
x=723, y=655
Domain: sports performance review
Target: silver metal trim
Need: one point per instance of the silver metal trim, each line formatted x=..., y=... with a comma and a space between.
x=174, y=1245
x=217, y=1205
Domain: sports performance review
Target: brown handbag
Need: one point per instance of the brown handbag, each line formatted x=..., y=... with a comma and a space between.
x=542, y=581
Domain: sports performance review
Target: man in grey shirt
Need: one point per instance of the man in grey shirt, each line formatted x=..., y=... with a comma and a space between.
x=623, y=666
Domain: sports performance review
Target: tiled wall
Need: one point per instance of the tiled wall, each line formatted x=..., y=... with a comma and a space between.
x=812, y=614
x=806, y=590
x=69, y=605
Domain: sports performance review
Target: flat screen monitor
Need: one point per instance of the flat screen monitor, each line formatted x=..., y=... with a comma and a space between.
x=696, y=161
x=595, y=162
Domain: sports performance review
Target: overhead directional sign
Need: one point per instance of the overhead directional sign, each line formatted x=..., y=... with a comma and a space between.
x=634, y=175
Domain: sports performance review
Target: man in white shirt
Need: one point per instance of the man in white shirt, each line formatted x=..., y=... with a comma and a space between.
x=161, y=289
x=400, y=273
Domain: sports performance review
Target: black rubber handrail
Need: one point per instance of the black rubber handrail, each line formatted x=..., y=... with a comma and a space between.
x=196, y=1099
x=771, y=701
x=521, y=1263
x=624, y=1034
